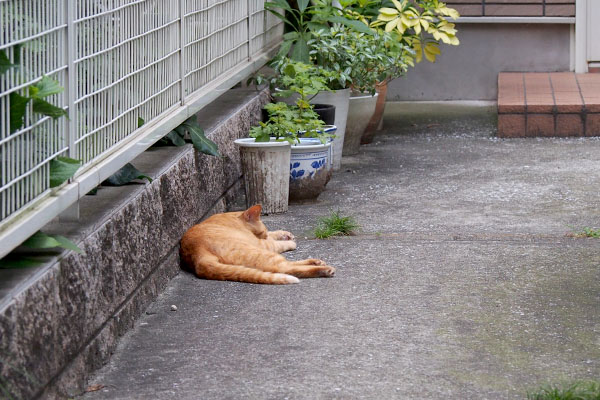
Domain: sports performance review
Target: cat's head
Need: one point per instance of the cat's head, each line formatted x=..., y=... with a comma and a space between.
x=251, y=218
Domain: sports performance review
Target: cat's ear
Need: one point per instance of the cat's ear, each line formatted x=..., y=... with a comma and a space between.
x=253, y=213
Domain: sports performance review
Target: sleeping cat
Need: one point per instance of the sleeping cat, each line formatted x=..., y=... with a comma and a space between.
x=236, y=246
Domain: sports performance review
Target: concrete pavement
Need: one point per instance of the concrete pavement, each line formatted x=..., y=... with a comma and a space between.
x=462, y=282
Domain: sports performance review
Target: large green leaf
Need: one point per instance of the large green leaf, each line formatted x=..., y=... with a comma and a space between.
x=125, y=175
x=315, y=27
x=269, y=5
x=40, y=240
x=300, y=51
x=199, y=139
x=284, y=49
x=45, y=108
x=291, y=36
x=18, y=106
x=44, y=88
x=176, y=136
x=356, y=25
x=18, y=262
x=5, y=63
x=61, y=169
x=302, y=4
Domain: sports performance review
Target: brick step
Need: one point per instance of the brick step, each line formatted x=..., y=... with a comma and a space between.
x=559, y=104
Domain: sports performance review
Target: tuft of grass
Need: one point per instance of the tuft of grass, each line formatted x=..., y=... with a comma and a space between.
x=335, y=225
x=582, y=390
x=587, y=232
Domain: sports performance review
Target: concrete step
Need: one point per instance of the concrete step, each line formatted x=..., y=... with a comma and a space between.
x=559, y=104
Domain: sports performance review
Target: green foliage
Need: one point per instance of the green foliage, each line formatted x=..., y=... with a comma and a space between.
x=289, y=122
x=61, y=169
x=360, y=60
x=18, y=107
x=199, y=139
x=335, y=225
x=421, y=24
x=36, y=94
x=583, y=390
x=586, y=232
x=197, y=136
x=5, y=63
x=307, y=17
x=125, y=175
x=38, y=240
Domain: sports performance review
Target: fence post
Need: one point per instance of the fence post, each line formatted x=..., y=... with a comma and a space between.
x=182, y=50
x=71, y=91
x=71, y=213
x=249, y=15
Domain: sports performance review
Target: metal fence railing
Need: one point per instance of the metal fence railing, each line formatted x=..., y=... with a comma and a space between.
x=119, y=61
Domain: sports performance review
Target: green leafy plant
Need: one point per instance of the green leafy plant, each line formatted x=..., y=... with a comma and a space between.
x=38, y=240
x=177, y=137
x=421, y=24
x=61, y=169
x=37, y=94
x=290, y=122
x=335, y=225
x=303, y=18
x=362, y=61
x=582, y=390
x=586, y=232
x=125, y=175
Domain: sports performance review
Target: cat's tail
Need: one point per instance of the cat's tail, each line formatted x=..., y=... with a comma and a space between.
x=211, y=268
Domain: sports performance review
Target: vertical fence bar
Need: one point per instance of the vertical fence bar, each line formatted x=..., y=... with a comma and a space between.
x=71, y=91
x=71, y=213
x=249, y=16
x=182, y=50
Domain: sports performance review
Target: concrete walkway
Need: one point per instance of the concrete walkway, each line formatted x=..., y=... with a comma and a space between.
x=461, y=284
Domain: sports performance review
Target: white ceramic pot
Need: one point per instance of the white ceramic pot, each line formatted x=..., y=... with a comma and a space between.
x=340, y=99
x=311, y=166
x=362, y=108
x=266, y=173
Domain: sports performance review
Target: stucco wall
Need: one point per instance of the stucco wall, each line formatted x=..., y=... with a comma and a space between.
x=470, y=71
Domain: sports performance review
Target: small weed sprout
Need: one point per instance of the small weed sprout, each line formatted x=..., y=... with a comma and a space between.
x=586, y=232
x=335, y=225
x=582, y=390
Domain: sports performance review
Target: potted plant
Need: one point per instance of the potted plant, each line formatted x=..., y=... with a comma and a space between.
x=265, y=165
x=307, y=138
x=302, y=21
x=414, y=25
x=311, y=160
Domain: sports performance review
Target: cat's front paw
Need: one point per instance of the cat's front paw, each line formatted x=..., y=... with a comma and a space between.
x=281, y=235
x=288, y=245
x=327, y=272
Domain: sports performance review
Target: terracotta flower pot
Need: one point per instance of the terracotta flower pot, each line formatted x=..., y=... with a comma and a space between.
x=376, y=121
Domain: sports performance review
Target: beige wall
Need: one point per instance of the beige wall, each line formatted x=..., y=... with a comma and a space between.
x=470, y=71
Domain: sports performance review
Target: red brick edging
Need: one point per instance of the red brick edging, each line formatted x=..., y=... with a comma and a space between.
x=548, y=104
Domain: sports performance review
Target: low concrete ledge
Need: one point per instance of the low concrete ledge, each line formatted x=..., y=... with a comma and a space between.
x=60, y=321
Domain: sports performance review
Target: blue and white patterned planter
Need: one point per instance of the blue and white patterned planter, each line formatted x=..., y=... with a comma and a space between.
x=311, y=166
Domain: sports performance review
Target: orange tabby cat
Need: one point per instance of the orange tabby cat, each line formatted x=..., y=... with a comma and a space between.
x=236, y=246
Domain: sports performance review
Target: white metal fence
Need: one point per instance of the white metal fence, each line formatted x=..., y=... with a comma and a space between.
x=119, y=61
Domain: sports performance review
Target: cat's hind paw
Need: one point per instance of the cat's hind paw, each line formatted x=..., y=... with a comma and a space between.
x=281, y=235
